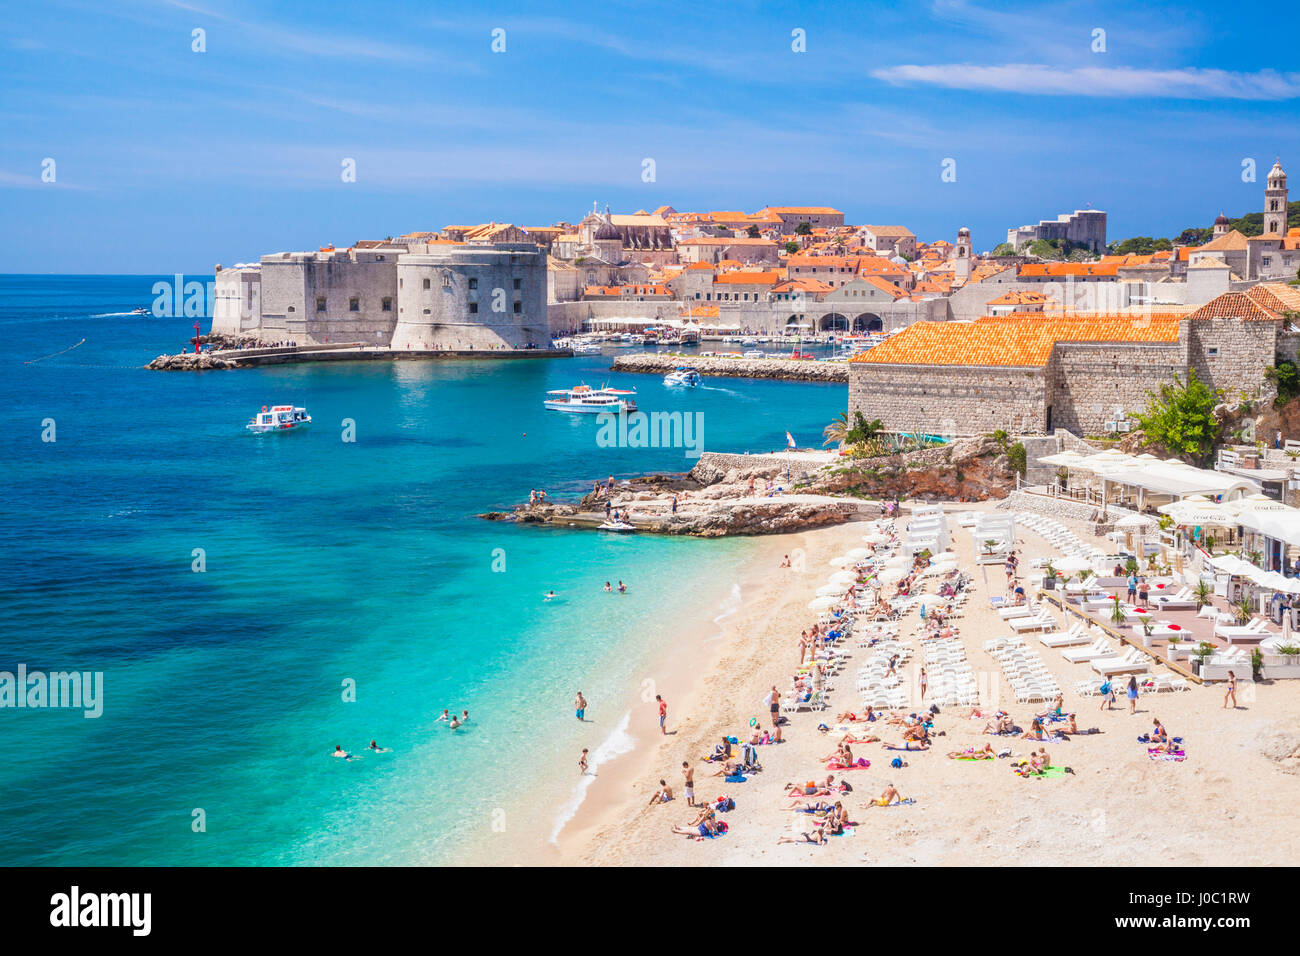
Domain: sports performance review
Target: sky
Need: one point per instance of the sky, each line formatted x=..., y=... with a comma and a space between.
x=164, y=158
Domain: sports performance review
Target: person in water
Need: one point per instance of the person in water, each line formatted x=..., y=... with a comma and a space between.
x=446, y=715
x=377, y=749
x=340, y=752
x=454, y=724
x=622, y=588
x=607, y=587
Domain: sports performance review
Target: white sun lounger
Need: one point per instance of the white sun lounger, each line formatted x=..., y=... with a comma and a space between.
x=1077, y=634
x=1098, y=650
x=1132, y=661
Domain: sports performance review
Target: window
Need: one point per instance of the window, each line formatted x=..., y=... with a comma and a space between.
x=518, y=284
x=320, y=305
x=354, y=305
x=473, y=308
x=387, y=304
x=446, y=281
x=427, y=283
x=399, y=283
x=473, y=283
x=519, y=307
x=1212, y=350
x=426, y=311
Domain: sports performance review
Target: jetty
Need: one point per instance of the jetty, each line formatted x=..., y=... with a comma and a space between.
x=725, y=366
x=334, y=352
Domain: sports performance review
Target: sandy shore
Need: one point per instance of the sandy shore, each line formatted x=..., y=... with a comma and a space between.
x=1230, y=802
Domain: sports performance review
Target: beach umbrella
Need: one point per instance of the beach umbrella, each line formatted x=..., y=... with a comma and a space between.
x=857, y=554
x=844, y=578
x=822, y=603
x=830, y=590
x=840, y=561
x=1063, y=459
x=1072, y=563
x=890, y=576
x=876, y=537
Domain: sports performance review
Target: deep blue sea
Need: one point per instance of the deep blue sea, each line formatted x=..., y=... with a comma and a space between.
x=329, y=565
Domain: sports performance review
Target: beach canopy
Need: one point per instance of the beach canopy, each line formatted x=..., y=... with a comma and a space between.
x=1063, y=459
x=890, y=575
x=844, y=578
x=1136, y=521
x=822, y=603
x=1072, y=563
x=858, y=554
x=840, y=561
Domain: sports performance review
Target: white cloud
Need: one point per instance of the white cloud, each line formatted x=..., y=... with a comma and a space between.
x=1035, y=79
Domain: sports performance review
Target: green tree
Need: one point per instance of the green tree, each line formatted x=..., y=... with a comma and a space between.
x=1287, y=378
x=863, y=430
x=1180, y=418
x=792, y=247
x=752, y=232
x=803, y=229
x=837, y=431
x=1003, y=249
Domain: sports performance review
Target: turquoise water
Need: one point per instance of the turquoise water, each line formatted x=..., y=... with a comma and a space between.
x=326, y=562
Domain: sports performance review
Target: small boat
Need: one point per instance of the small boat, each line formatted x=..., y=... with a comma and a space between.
x=140, y=311
x=585, y=348
x=749, y=340
x=753, y=353
x=616, y=526
x=278, y=418
x=682, y=376
x=588, y=400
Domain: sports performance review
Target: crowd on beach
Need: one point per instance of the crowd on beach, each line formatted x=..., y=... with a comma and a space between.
x=930, y=596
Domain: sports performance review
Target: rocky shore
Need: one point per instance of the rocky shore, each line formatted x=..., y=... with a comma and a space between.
x=796, y=370
x=779, y=493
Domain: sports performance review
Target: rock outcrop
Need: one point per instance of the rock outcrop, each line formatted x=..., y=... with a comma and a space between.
x=189, y=362
x=799, y=370
x=974, y=469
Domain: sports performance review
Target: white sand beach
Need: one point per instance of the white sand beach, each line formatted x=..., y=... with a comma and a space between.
x=1229, y=802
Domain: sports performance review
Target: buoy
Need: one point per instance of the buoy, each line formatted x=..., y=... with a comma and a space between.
x=263, y=408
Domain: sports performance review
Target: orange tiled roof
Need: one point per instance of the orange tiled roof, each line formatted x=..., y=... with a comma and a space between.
x=1050, y=269
x=1276, y=296
x=1019, y=297
x=701, y=265
x=746, y=278
x=798, y=210
x=1235, y=305
x=702, y=312
x=1021, y=340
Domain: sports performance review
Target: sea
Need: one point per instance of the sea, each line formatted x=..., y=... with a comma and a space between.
x=249, y=603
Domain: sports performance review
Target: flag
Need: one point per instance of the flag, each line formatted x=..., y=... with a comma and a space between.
x=789, y=440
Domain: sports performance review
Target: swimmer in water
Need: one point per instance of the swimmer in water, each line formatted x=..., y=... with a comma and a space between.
x=464, y=716
x=378, y=749
x=622, y=588
x=607, y=587
x=549, y=595
x=340, y=752
x=454, y=724
x=446, y=715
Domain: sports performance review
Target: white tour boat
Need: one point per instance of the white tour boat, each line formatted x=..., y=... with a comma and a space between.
x=585, y=348
x=682, y=376
x=584, y=398
x=278, y=418
x=616, y=526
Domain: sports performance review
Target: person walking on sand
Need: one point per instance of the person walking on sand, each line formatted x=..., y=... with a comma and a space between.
x=1132, y=693
x=1107, y=694
x=580, y=706
x=582, y=762
x=1231, y=695
x=689, y=773
x=663, y=714
x=924, y=682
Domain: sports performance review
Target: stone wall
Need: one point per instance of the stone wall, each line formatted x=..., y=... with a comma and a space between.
x=1231, y=355
x=950, y=400
x=1089, y=382
x=659, y=363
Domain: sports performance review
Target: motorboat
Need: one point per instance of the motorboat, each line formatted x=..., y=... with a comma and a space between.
x=621, y=526
x=585, y=348
x=279, y=418
x=588, y=400
x=682, y=376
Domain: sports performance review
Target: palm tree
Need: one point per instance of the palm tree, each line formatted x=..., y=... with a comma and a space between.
x=837, y=431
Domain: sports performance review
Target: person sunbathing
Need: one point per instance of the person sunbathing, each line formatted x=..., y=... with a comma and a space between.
x=1058, y=709
x=970, y=753
x=888, y=795
x=1040, y=760
x=851, y=738
x=1000, y=724
x=849, y=717
x=909, y=745
x=1158, y=733
x=1035, y=731
x=703, y=825
x=811, y=789
x=817, y=836
x=729, y=769
x=662, y=795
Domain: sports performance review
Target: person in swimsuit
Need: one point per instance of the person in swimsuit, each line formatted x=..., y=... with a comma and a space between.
x=1132, y=693
x=689, y=773
x=663, y=714
x=580, y=706
x=663, y=794
x=817, y=836
x=582, y=762
x=773, y=701
x=702, y=826
x=1231, y=695
x=340, y=752
x=888, y=796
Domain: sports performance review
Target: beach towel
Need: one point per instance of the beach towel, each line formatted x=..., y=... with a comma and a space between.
x=901, y=803
x=1024, y=770
x=975, y=757
x=739, y=778
x=1177, y=756
x=862, y=763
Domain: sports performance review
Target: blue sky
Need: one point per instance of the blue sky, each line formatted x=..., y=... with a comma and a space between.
x=170, y=160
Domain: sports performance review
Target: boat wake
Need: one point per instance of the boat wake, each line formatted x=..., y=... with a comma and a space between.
x=112, y=315
x=617, y=743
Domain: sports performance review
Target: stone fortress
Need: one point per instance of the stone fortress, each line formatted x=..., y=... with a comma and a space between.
x=413, y=294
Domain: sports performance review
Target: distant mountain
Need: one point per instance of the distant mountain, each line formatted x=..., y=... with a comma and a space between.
x=1251, y=224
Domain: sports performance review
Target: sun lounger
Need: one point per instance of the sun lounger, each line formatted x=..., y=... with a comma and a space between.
x=1098, y=650
x=1076, y=635
x=1040, y=622
x=1131, y=662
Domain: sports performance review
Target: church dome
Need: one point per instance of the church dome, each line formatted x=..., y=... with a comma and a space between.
x=1222, y=220
x=1276, y=172
x=606, y=230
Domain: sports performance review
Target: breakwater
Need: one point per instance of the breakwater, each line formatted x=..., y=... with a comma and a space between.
x=797, y=370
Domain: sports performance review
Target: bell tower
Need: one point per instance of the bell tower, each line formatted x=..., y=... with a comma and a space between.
x=1275, y=202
